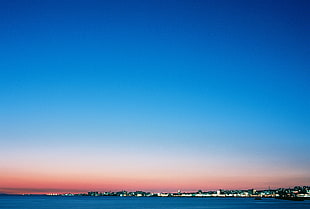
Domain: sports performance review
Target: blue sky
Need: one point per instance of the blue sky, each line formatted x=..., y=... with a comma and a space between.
x=157, y=78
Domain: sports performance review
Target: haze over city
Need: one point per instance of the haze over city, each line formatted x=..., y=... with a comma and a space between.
x=153, y=95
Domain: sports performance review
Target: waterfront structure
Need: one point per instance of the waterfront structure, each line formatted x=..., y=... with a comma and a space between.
x=302, y=192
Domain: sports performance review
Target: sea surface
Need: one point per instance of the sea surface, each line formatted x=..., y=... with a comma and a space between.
x=59, y=202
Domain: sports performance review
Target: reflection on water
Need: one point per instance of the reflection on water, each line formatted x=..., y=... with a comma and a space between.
x=58, y=202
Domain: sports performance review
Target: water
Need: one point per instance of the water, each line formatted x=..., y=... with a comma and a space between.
x=58, y=202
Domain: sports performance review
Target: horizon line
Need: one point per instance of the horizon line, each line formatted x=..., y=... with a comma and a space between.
x=43, y=191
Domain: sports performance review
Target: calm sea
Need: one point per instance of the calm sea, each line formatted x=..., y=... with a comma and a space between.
x=58, y=202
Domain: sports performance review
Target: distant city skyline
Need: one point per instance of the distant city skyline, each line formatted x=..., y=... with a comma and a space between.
x=154, y=95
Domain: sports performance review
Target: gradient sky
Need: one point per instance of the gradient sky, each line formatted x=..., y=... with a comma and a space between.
x=154, y=95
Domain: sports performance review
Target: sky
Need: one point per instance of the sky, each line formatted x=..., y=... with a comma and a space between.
x=155, y=95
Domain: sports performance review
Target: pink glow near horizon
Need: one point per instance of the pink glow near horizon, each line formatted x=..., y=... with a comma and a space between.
x=39, y=184
x=141, y=171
